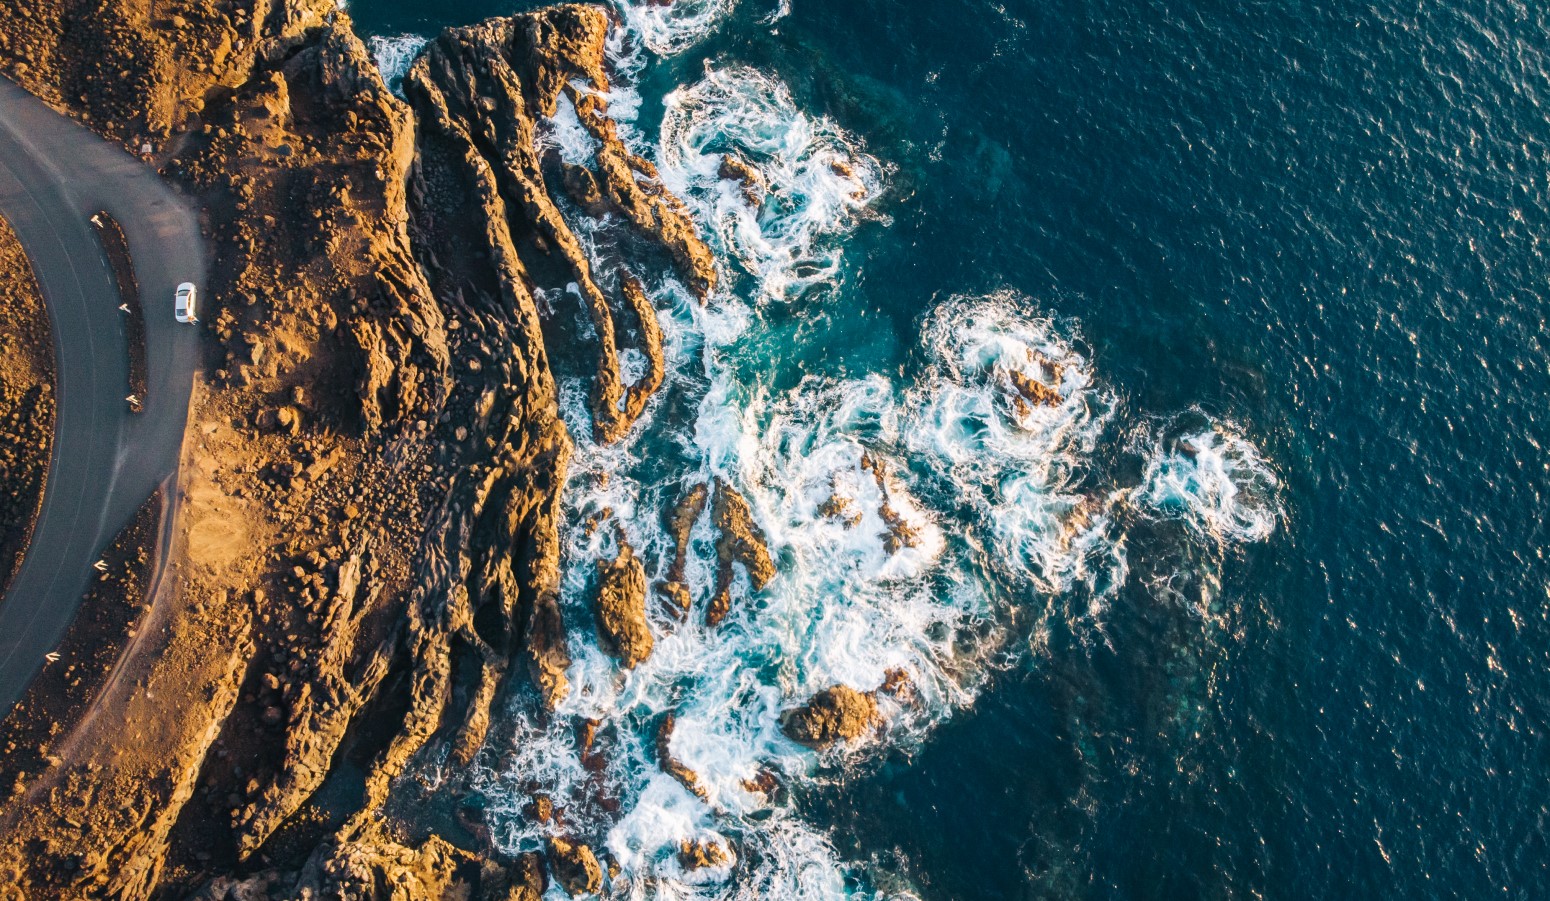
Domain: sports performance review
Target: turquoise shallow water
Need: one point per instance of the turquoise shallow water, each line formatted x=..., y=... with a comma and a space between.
x=1316, y=227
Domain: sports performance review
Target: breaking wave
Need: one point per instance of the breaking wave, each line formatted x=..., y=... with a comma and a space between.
x=1206, y=474
x=393, y=56
x=908, y=514
x=771, y=184
x=673, y=27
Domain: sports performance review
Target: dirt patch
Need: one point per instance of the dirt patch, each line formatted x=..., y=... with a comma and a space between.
x=85, y=656
x=26, y=403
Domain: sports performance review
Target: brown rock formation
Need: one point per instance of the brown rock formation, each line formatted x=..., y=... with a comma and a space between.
x=362, y=576
x=669, y=764
x=384, y=869
x=842, y=508
x=694, y=855
x=901, y=533
x=621, y=608
x=835, y=714
x=1032, y=391
x=739, y=540
x=680, y=522
x=575, y=867
x=481, y=92
x=734, y=168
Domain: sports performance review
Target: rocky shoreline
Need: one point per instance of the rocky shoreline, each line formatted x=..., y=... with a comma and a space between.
x=369, y=530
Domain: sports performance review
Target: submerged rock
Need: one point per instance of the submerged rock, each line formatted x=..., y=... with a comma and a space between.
x=835, y=714
x=621, y=608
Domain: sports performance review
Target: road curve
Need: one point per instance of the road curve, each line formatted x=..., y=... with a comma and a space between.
x=106, y=461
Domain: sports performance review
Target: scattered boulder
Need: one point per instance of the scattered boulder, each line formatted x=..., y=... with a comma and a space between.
x=735, y=168
x=835, y=714
x=621, y=608
x=575, y=867
x=697, y=854
x=285, y=420
x=740, y=540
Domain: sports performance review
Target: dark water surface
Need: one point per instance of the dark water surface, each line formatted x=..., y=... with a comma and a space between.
x=1324, y=221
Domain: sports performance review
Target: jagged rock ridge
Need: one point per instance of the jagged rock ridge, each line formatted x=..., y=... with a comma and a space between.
x=383, y=366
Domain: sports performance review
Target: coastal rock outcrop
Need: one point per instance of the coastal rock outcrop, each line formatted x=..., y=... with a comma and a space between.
x=389, y=550
x=680, y=522
x=739, y=540
x=575, y=867
x=735, y=168
x=839, y=713
x=670, y=765
x=621, y=608
x=483, y=94
x=901, y=532
x=698, y=854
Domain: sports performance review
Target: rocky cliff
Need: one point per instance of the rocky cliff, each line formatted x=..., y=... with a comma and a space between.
x=370, y=525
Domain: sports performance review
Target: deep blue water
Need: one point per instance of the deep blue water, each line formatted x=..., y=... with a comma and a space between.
x=1323, y=221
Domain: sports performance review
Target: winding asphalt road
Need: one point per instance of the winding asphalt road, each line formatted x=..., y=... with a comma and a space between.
x=54, y=174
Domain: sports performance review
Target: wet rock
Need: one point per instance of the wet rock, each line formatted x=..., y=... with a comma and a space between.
x=901, y=532
x=575, y=867
x=735, y=168
x=677, y=598
x=842, y=508
x=669, y=764
x=696, y=854
x=897, y=682
x=621, y=608
x=741, y=541
x=680, y=522
x=1035, y=392
x=835, y=714
x=527, y=880
x=540, y=809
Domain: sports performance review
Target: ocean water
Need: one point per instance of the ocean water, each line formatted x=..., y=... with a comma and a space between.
x=1257, y=608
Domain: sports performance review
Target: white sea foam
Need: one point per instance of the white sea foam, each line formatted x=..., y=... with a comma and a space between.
x=848, y=605
x=564, y=134
x=670, y=28
x=1205, y=473
x=813, y=183
x=906, y=520
x=393, y=56
x=1014, y=462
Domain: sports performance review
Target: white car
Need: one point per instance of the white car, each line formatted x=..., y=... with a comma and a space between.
x=183, y=307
